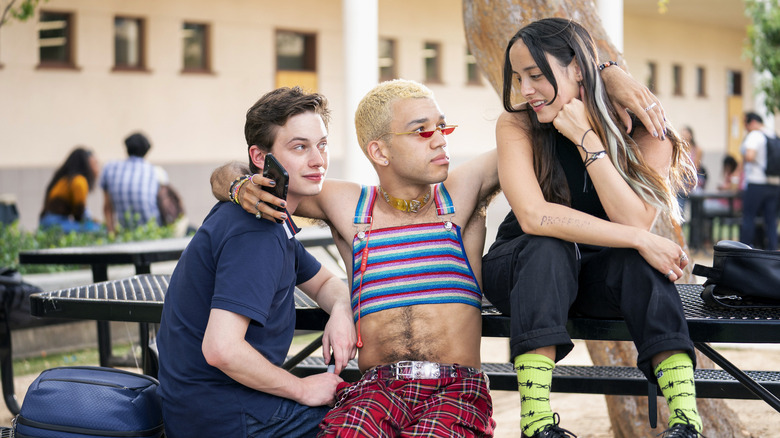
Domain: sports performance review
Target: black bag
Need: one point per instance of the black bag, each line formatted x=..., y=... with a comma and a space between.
x=741, y=277
x=90, y=402
x=772, y=156
x=15, y=299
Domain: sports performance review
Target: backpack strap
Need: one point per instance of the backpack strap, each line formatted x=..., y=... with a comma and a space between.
x=712, y=274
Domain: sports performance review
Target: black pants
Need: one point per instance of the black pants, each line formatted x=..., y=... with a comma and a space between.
x=540, y=281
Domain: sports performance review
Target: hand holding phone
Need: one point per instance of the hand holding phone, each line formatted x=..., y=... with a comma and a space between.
x=274, y=170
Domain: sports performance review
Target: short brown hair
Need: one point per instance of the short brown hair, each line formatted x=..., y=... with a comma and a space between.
x=274, y=109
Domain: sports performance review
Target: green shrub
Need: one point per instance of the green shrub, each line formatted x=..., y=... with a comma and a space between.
x=14, y=240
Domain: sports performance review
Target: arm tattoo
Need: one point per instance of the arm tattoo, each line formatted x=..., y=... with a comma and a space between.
x=566, y=221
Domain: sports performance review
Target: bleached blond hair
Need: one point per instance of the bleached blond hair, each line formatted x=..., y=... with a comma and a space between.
x=375, y=111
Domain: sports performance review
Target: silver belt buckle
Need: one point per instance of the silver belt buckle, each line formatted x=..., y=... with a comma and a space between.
x=427, y=370
x=403, y=369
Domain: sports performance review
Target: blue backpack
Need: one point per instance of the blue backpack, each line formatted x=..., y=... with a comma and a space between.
x=90, y=402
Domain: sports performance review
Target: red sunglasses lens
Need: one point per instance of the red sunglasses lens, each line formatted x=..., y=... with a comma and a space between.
x=444, y=131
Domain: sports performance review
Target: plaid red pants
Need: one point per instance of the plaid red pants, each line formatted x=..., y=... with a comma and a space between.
x=446, y=407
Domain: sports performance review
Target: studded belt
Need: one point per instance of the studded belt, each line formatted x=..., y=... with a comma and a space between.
x=416, y=369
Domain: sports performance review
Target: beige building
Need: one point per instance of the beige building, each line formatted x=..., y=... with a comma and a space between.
x=90, y=72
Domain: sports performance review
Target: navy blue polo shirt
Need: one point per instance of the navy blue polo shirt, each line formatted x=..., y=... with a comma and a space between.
x=239, y=264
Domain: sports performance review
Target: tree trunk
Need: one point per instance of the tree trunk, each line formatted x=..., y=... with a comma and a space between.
x=489, y=24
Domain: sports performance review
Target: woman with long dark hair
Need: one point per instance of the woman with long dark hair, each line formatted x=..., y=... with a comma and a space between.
x=65, y=204
x=584, y=195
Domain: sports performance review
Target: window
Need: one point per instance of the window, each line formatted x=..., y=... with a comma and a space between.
x=677, y=80
x=432, y=57
x=387, y=59
x=701, y=82
x=735, y=83
x=196, y=47
x=129, y=44
x=472, y=69
x=296, y=51
x=652, y=77
x=55, y=30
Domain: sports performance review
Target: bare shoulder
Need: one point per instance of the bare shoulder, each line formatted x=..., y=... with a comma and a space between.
x=517, y=122
x=337, y=201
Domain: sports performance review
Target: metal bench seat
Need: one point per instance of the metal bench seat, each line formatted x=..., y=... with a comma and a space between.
x=586, y=379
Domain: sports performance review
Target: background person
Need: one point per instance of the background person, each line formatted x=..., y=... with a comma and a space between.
x=131, y=187
x=583, y=197
x=65, y=202
x=229, y=313
x=761, y=191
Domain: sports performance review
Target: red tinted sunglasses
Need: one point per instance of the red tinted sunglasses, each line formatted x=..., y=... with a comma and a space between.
x=445, y=130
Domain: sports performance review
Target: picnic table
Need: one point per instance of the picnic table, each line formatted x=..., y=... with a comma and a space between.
x=698, y=222
x=141, y=254
x=140, y=298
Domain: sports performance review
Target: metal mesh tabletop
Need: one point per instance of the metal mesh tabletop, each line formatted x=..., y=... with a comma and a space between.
x=137, y=299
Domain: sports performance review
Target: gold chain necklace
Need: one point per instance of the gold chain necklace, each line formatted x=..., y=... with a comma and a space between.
x=412, y=206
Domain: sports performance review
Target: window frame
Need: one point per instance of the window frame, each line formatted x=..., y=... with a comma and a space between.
x=677, y=80
x=70, y=46
x=652, y=77
x=206, y=54
x=309, y=50
x=141, y=67
x=437, y=64
x=477, y=79
x=393, y=57
x=701, y=81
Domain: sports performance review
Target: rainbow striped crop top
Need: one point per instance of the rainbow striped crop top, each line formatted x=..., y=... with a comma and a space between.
x=411, y=264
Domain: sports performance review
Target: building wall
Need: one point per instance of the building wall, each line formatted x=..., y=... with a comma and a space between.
x=195, y=121
x=718, y=49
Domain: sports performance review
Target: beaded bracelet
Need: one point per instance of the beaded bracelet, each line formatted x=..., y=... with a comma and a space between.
x=590, y=157
x=235, y=187
x=607, y=64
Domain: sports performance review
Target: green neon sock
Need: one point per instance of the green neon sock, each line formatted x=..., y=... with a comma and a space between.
x=534, y=376
x=675, y=378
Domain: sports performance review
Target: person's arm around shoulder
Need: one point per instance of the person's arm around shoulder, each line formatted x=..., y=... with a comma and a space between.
x=225, y=348
x=626, y=93
x=251, y=195
x=478, y=177
x=332, y=295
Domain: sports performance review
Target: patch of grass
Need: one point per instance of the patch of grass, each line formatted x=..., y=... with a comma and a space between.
x=89, y=356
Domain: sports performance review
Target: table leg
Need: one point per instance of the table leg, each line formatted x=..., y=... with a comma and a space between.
x=740, y=375
x=7, y=368
x=100, y=273
x=306, y=352
x=697, y=223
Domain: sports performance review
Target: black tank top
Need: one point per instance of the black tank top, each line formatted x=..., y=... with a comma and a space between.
x=583, y=194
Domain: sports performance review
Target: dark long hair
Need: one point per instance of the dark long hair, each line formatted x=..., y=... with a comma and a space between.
x=566, y=40
x=77, y=163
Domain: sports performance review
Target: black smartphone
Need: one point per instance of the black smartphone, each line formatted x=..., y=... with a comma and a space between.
x=274, y=170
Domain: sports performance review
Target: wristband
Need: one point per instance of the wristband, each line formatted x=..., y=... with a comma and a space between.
x=607, y=64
